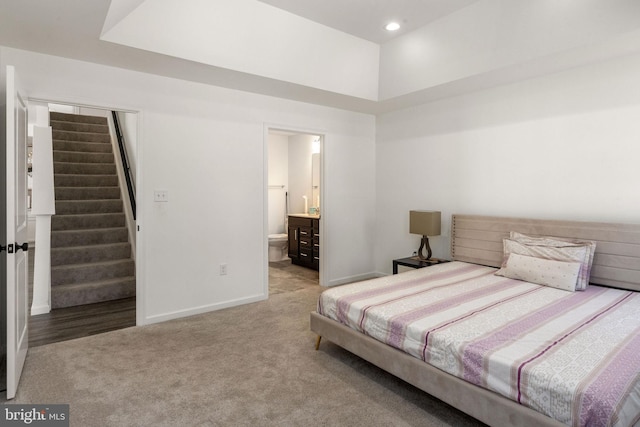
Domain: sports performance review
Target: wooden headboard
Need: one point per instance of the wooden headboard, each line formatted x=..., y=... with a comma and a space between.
x=478, y=239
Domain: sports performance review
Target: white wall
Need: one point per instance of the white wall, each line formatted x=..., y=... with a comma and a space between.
x=278, y=159
x=129, y=129
x=564, y=146
x=300, y=151
x=278, y=165
x=206, y=146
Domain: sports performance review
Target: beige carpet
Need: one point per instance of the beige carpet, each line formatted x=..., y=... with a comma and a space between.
x=253, y=365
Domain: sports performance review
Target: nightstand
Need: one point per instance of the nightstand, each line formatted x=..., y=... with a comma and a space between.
x=415, y=262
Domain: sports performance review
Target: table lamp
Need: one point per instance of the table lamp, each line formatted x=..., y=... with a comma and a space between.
x=426, y=223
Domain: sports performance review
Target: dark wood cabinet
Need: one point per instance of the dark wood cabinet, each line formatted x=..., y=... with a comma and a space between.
x=304, y=241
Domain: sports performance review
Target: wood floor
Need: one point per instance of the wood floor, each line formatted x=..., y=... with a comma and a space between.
x=63, y=324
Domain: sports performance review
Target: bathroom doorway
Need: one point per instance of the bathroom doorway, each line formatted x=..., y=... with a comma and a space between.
x=294, y=208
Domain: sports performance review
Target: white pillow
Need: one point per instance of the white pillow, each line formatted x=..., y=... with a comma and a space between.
x=558, y=242
x=568, y=253
x=556, y=274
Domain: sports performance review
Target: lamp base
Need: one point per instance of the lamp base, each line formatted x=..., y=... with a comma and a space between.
x=424, y=243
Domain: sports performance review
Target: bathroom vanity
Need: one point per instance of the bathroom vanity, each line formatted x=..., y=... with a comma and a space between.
x=304, y=240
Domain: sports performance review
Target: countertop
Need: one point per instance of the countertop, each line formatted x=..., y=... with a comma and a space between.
x=302, y=215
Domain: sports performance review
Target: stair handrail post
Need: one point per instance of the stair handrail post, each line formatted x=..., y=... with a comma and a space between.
x=43, y=207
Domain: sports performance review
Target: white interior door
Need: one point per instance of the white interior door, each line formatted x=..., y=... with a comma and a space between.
x=16, y=213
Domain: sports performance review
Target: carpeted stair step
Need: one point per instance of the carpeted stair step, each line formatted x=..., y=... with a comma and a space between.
x=83, y=147
x=76, y=118
x=90, y=253
x=79, y=127
x=85, y=180
x=73, y=207
x=81, y=157
x=84, y=221
x=84, y=168
x=91, y=272
x=68, y=135
x=67, y=238
x=88, y=293
x=87, y=193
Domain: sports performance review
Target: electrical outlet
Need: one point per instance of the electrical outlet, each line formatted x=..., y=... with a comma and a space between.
x=160, y=195
x=223, y=269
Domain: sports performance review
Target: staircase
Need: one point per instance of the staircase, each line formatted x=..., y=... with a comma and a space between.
x=90, y=250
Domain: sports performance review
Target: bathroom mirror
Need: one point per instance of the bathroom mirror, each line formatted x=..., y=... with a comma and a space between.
x=315, y=180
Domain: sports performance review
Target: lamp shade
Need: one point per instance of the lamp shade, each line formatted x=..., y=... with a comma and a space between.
x=426, y=223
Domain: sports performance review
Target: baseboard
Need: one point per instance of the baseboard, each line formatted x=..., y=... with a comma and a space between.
x=40, y=309
x=201, y=309
x=356, y=278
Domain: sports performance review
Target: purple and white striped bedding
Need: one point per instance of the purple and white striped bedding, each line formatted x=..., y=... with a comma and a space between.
x=574, y=356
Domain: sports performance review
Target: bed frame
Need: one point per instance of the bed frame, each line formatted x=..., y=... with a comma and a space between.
x=478, y=239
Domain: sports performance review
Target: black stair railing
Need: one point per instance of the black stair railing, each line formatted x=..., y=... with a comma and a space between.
x=125, y=164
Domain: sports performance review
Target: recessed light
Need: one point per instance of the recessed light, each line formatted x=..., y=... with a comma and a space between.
x=392, y=26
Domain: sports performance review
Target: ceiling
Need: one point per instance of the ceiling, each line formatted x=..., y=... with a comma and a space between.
x=73, y=29
x=366, y=18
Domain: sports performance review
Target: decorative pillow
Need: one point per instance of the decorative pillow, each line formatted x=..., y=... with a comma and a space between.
x=569, y=253
x=558, y=242
x=556, y=274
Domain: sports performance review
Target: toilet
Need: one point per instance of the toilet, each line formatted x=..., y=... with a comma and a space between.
x=278, y=220
x=278, y=250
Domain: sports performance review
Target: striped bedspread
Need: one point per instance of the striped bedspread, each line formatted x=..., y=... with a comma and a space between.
x=572, y=356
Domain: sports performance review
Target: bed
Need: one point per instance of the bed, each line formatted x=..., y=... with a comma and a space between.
x=378, y=322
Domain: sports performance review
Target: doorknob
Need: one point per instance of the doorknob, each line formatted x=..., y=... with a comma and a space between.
x=24, y=247
x=3, y=248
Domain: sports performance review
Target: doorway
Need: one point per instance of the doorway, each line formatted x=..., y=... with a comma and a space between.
x=294, y=208
x=90, y=187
